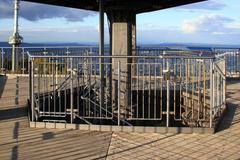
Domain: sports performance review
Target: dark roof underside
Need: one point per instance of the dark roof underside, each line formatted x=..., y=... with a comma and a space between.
x=138, y=6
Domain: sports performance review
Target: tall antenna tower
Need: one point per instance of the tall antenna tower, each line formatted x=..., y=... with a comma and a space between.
x=15, y=40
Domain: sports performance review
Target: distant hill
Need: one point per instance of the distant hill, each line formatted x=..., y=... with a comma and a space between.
x=193, y=45
x=4, y=44
x=182, y=46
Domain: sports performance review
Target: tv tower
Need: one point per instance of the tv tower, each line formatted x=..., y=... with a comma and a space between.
x=15, y=40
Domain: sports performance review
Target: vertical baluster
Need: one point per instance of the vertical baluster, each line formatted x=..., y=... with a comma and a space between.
x=211, y=92
x=71, y=89
x=149, y=90
x=132, y=88
x=32, y=88
x=2, y=60
x=168, y=93
x=155, y=89
x=23, y=57
x=119, y=94
x=143, y=88
x=137, y=107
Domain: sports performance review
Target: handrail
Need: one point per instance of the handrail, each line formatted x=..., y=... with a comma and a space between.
x=46, y=47
x=220, y=71
x=86, y=98
x=63, y=83
x=118, y=56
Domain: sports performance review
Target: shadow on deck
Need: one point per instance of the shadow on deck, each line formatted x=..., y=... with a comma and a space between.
x=12, y=113
x=18, y=141
x=232, y=115
x=3, y=80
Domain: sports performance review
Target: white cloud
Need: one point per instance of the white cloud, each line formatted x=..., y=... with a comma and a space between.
x=36, y=11
x=219, y=33
x=189, y=26
x=155, y=26
x=205, y=23
x=234, y=26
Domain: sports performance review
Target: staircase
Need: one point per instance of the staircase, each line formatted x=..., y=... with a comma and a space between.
x=192, y=115
x=91, y=91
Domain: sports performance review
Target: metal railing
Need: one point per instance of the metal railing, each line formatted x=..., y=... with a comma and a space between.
x=6, y=60
x=22, y=56
x=171, y=89
x=232, y=58
x=231, y=55
x=233, y=64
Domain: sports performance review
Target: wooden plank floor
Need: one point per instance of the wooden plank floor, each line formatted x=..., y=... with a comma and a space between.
x=19, y=142
x=224, y=145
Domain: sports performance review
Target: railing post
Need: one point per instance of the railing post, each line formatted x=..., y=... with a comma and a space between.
x=67, y=58
x=29, y=79
x=119, y=93
x=56, y=73
x=23, y=66
x=211, y=92
x=71, y=88
x=168, y=92
x=102, y=84
x=2, y=61
x=218, y=91
x=32, y=86
x=224, y=82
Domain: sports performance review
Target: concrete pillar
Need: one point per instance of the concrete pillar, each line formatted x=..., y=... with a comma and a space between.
x=123, y=43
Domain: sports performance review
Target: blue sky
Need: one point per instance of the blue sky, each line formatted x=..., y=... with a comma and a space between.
x=213, y=21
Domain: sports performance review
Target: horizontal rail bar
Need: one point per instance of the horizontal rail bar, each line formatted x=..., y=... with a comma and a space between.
x=43, y=47
x=120, y=56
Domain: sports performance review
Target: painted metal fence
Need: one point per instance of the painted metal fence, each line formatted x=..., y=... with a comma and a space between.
x=141, y=90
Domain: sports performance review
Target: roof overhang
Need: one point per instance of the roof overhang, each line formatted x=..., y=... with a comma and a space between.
x=138, y=6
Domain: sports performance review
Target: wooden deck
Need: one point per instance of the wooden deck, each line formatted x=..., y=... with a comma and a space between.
x=19, y=142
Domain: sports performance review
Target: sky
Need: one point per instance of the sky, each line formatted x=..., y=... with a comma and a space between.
x=209, y=22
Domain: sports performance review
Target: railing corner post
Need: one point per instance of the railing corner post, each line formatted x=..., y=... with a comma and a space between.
x=31, y=87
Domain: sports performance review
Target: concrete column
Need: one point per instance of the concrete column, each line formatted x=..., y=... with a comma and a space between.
x=123, y=43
